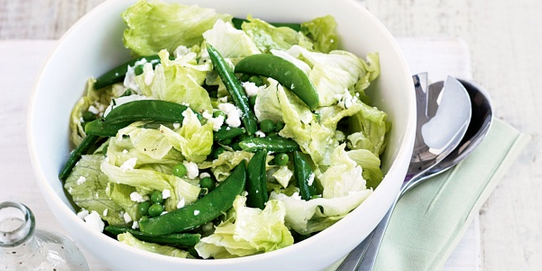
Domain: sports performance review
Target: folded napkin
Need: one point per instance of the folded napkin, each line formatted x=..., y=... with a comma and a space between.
x=431, y=219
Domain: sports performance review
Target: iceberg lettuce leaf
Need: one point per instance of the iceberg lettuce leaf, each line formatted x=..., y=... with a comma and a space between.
x=369, y=127
x=177, y=81
x=322, y=31
x=249, y=231
x=230, y=42
x=225, y=163
x=268, y=37
x=129, y=239
x=370, y=164
x=311, y=216
x=343, y=176
x=87, y=186
x=153, y=26
x=192, y=139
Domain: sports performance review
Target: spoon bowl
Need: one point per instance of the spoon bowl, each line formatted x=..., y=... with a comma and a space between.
x=467, y=138
x=482, y=117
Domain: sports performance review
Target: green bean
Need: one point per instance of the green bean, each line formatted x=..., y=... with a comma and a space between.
x=141, y=110
x=118, y=73
x=237, y=22
x=235, y=89
x=176, y=239
x=256, y=185
x=225, y=133
x=83, y=148
x=201, y=211
x=285, y=72
x=275, y=144
x=304, y=176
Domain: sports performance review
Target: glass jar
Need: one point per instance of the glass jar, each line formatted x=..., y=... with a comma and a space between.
x=22, y=247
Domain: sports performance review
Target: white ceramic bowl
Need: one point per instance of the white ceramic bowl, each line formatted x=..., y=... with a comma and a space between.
x=94, y=44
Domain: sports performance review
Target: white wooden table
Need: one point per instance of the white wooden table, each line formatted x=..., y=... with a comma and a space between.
x=504, y=39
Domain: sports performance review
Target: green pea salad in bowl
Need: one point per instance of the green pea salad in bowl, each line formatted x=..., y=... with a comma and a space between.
x=211, y=135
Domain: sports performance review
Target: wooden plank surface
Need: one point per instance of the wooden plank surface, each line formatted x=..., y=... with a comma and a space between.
x=504, y=38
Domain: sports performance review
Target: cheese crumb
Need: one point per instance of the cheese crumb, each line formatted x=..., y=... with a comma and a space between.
x=128, y=164
x=134, y=196
x=192, y=170
x=94, y=221
x=81, y=180
x=127, y=218
x=166, y=193
x=250, y=88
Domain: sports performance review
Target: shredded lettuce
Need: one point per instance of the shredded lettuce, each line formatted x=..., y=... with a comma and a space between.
x=268, y=37
x=178, y=80
x=230, y=42
x=129, y=239
x=153, y=26
x=248, y=231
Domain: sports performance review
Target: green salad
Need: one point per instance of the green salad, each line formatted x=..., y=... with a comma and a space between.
x=224, y=137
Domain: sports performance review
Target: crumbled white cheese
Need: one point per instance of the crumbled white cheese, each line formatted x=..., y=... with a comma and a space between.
x=181, y=203
x=127, y=218
x=92, y=109
x=259, y=134
x=233, y=113
x=125, y=151
x=226, y=107
x=176, y=125
x=217, y=122
x=223, y=99
x=196, y=212
x=192, y=170
x=166, y=193
x=250, y=88
x=311, y=179
x=94, y=221
x=148, y=72
x=134, y=196
x=135, y=225
x=83, y=213
x=204, y=175
x=181, y=51
x=81, y=180
x=128, y=164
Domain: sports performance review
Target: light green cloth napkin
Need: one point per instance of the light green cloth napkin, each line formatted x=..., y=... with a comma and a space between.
x=431, y=219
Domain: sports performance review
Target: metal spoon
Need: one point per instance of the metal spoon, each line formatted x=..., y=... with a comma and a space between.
x=482, y=117
x=444, y=115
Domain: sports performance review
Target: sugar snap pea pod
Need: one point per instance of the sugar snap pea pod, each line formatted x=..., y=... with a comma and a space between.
x=225, y=133
x=285, y=72
x=174, y=239
x=271, y=144
x=118, y=73
x=83, y=148
x=204, y=210
x=237, y=22
x=256, y=185
x=304, y=176
x=235, y=89
x=141, y=110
